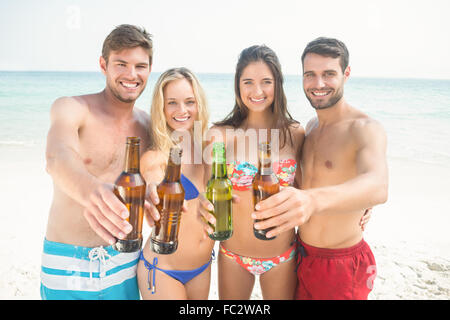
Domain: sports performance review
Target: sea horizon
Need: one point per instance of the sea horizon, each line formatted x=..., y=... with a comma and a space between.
x=228, y=73
x=414, y=112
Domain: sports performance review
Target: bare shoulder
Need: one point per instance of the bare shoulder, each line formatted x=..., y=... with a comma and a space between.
x=366, y=129
x=67, y=117
x=73, y=109
x=142, y=117
x=311, y=125
x=78, y=103
x=143, y=127
x=297, y=128
x=298, y=134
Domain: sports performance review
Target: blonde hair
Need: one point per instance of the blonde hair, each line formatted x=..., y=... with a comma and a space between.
x=161, y=131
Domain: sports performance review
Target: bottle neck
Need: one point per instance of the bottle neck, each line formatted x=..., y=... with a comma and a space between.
x=219, y=170
x=219, y=166
x=173, y=169
x=265, y=167
x=132, y=158
x=265, y=160
x=173, y=172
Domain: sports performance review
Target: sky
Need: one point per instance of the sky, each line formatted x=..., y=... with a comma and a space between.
x=386, y=39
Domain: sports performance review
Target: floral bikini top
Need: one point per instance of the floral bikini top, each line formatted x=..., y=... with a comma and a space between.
x=241, y=173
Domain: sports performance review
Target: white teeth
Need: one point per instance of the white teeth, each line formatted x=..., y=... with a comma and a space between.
x=182, y=119
x=256, y=100
x=129, y=85
x=320, y=94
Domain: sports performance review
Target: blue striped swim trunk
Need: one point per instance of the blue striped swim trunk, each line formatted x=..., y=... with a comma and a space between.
x=79, y=273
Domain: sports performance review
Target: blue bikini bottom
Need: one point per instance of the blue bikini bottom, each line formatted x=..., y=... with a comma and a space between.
x=183, y=276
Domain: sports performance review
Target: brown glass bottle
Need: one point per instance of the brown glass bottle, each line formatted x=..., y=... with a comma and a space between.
x=130, y=189
x=265, y=184
x=164, y=237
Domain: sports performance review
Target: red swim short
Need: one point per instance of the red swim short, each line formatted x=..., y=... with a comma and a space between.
x=335, y=274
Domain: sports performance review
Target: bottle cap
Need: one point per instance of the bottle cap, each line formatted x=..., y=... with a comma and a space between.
x=264, y=152
x=264, y=146
x=133, y=140
x=175, y=154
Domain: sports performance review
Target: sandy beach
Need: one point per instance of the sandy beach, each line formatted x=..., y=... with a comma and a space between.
x=399, y=76
x=408, y=234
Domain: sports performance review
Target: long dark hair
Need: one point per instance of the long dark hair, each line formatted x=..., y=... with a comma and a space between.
x=282, y=118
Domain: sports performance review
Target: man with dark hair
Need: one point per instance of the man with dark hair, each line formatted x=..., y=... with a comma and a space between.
x=329, y=47
x=344, y=172
x=85, y=154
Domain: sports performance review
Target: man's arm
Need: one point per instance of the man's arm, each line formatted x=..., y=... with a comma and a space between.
x=292, y=207
x=64, y=163
x=68, y=171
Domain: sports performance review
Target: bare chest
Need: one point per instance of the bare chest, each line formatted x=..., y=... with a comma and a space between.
x=103, y=147
x=328, y=158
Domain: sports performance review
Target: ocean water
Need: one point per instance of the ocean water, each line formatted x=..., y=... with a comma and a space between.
x=414, y=112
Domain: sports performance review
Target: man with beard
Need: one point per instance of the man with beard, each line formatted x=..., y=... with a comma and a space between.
x=85, y=154
x=344, y=172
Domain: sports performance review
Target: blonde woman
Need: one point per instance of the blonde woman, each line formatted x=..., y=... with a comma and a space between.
x=178, y=102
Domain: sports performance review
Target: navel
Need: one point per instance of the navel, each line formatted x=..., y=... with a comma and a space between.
x=329, y=164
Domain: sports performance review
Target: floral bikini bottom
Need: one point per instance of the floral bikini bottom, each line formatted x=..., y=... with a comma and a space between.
x=258, y=266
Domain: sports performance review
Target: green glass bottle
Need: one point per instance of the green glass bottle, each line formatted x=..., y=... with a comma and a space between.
x=219, y=193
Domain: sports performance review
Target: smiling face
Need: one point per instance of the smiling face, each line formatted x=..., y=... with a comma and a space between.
x=126, y=73
x=180, y=105
x=323, y=80
x=257, y=86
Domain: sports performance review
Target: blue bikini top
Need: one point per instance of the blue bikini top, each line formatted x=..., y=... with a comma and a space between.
x=190, y=191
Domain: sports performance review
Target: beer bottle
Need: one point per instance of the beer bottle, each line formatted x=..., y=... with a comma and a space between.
x=164, y=237
x=265, y=183
x=218, y=192
x=130, y=189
